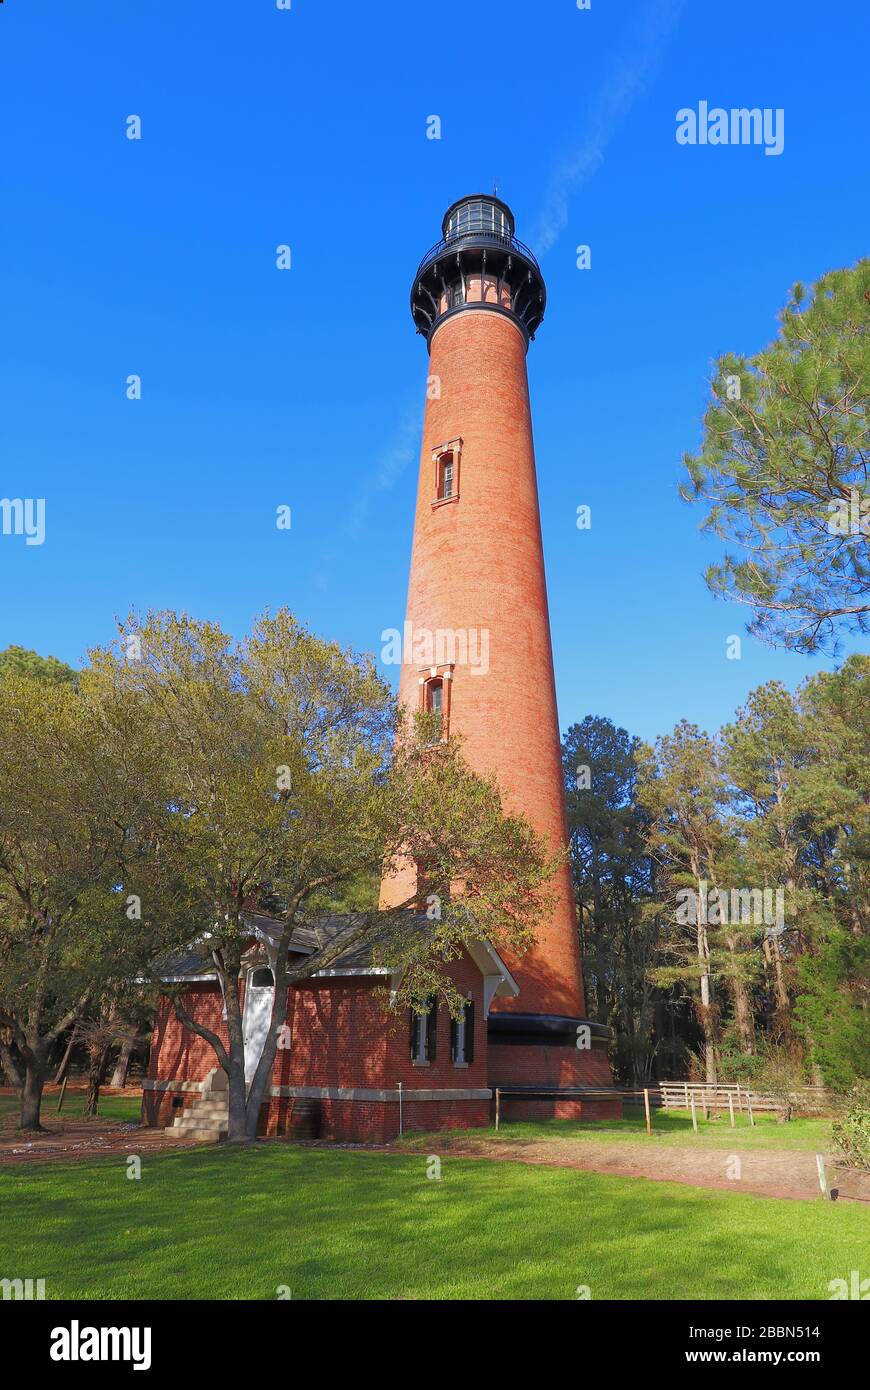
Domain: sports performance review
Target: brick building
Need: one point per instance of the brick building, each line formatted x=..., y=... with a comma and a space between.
x=370, y=1072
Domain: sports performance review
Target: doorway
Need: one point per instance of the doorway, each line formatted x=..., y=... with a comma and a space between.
x=259, y=994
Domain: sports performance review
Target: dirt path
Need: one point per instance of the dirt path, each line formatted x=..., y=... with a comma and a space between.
x=772, y=1173
x=86, y=1139
x=68, y=1136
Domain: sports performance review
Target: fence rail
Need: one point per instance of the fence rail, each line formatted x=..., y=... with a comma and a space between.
x=693, y=1096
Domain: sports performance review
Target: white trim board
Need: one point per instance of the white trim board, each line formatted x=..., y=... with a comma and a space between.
x=364, y=1093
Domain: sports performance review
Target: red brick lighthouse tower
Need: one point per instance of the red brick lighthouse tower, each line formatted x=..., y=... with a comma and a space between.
x=477, y=572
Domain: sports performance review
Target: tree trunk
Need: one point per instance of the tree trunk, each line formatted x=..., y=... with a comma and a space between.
x=708, y=1023
x=64, y=1061
x=13, y=1075
x=710, y=1059
x=99, y=1056
x=237, y=1129
x=742, y=1004
x=119, y=1075
x=237, y=1126
x=779, y=985
x=31, y=1094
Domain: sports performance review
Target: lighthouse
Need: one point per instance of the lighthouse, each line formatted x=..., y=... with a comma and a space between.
x=478, y=586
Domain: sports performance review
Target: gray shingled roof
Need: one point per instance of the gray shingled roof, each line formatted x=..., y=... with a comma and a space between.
x=307, y=939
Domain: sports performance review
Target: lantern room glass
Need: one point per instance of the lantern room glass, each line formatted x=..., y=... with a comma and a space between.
x=478, y=215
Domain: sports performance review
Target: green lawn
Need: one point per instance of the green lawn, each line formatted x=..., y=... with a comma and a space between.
x=127, y=1108
x=217, y=1223
x=668, y=1127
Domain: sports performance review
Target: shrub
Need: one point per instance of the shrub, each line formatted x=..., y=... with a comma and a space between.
x=852, y=1131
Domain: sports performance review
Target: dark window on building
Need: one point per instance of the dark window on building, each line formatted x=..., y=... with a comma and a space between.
x=462, y=1036
x=262, y=978
x=423, y=1035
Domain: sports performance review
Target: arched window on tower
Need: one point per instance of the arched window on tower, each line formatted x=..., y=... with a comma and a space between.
x=446, y=459
x=445, y=477
x=434, y=706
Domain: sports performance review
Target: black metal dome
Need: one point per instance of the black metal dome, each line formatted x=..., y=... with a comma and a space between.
x=478, y=264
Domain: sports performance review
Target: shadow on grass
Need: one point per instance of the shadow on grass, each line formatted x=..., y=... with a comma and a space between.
x=216, y=1223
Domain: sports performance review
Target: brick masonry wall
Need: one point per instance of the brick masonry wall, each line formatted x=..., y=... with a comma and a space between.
x=548, y=1066
x=478, y=564
x=442, y=1071
x=341, y=1036
x=377, y=1122
x=161, y=1107
x=177, y=1054
x=338, y=1035
x=552, y=1066
x=515, y=1108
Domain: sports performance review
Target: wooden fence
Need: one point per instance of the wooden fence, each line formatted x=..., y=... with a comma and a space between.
x=678, y=1095
x=698, y=1097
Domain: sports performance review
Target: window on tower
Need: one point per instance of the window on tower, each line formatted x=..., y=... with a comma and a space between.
x=446, y=459
x=478, y=216
x=445, y=477
x=433, y=703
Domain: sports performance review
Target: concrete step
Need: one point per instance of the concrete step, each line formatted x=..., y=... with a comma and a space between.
x=191, y=1121
x=205, y=1107
x=207, y=1136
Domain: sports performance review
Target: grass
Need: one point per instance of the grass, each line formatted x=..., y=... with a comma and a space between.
x=125, y=1108
x=669, y=1127
x=219, y=1223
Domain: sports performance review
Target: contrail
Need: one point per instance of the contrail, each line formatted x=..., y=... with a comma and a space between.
x=389, y=467
x=610, y=105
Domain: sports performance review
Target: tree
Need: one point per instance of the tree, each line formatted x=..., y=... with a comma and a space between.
x=835, y=784
x=833, y=1010
x=764, y=753
x=19, y=661
x=783, y=469
x=279, y=780
x=612, y=881
x=682, y=790
x=65, y=809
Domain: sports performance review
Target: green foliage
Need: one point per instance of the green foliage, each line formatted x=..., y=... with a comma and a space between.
x=19, y=661
x=852, y=1131
x=737, y=1065
x=185, y=780
x=67, y=942
x=779, y=802
x=782, y=466
x=781, y=1075
x=612, y=875
x=271, y=778
x=831, y=1009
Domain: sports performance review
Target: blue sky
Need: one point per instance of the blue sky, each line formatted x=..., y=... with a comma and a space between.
x=306, y=388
